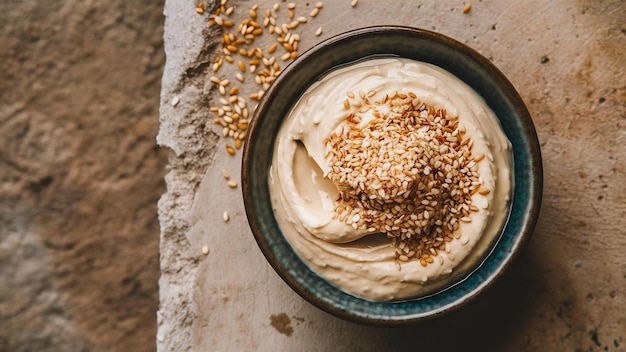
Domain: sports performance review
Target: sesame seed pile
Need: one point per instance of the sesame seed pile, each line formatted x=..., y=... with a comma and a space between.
x=264, y=64
x=405, y=169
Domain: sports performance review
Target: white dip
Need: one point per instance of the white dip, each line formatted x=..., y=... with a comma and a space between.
x=304, y=200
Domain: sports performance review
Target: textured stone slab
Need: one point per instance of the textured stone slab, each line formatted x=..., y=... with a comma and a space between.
x=567, y=60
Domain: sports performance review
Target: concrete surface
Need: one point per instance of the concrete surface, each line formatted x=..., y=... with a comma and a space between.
x=567, y=292
x=80, y=174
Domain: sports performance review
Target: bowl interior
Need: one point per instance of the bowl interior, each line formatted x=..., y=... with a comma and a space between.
x=420, y=45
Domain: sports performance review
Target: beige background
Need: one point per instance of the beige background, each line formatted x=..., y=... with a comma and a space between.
x=567, y=60
x=80, y=175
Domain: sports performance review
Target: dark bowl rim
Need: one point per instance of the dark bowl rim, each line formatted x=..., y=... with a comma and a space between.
x=535, y=189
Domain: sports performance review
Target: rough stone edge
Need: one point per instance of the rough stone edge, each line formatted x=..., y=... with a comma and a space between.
x=189, y=45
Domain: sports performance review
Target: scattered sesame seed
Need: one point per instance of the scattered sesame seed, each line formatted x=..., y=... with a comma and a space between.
x=175, y=100
x=225, y=216
x=467, y=8
x=205, y=250
x=354, y=3
x=200, y=8
x=232, y=184
x=238, y=41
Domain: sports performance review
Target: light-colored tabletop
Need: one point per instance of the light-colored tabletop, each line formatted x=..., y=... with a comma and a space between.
x=567, y=59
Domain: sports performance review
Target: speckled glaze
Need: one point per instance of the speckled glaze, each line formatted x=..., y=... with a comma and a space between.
x=420, y=45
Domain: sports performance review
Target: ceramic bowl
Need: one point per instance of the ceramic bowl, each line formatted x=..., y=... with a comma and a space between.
x=420, y=45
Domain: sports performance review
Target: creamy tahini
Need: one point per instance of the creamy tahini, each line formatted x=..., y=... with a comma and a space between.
x=355, y=261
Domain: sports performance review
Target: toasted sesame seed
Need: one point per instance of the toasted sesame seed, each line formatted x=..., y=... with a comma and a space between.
x=467, y=8
x=418, y=207
x=232, y=184
x=354, y=3
x=230, y=150
x=318, y=32
x=226, y=174
x=242, y=125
